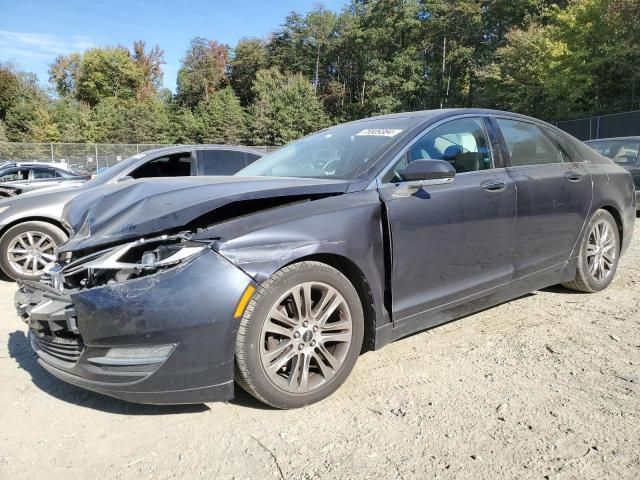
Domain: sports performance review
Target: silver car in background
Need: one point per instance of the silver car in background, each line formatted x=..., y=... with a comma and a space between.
x=17, y=178
x=31, y=225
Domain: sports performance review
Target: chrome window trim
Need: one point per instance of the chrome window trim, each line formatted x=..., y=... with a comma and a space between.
x=377, y=181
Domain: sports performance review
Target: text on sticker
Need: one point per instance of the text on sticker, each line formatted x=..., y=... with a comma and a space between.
x=379, y=132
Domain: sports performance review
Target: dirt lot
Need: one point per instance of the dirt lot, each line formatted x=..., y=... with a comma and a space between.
x=546, y=386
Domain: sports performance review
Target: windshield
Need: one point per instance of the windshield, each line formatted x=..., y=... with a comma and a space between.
x=620, y=151
x=109, y=173
x=341, y=152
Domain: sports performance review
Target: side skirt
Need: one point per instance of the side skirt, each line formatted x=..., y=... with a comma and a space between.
x=390, y=332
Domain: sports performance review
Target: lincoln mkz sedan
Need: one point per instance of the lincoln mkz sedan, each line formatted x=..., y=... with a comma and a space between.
x=277, y=278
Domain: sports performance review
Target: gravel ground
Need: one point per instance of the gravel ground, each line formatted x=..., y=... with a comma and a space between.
x=545, y=386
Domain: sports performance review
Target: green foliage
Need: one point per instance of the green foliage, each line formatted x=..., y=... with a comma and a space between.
x=9, y=89
x=185, y=126
x=249, y=56
x=71, y=119
x=554, y=59
x=222, y=118
x=63, y=73
x=150, y=65
x=203, y=71
x=584, y=60
x=116, y=120
x=30, y=121
x=107, y=72
x=285, y=108
x=26, y=112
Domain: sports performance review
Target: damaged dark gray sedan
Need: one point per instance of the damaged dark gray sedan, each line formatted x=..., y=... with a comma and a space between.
x=277, y=278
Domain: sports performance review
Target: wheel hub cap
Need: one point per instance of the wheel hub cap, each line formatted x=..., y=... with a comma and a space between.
x=305, y=337
x=30, y=252
x=601, y=251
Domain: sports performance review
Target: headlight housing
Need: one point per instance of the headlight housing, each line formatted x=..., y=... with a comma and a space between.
x=131, y=260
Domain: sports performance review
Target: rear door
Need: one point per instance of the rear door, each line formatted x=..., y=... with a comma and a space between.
x=223, y=162
x=44, y=176
x=553, y=196
x=449, y=241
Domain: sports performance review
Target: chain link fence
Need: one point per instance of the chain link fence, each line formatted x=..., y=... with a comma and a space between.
x=603, y=126
x=84, y=157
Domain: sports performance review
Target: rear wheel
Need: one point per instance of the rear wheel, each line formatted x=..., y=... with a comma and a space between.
x=26, y=248
x=300, y=336
x=598, y=256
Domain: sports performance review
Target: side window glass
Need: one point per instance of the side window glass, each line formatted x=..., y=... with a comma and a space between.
x=9, y=176
x=462, y=142
x=222, y=162
x=40, y=173
x=176, y=165
x=14, y=175
x=527, y=144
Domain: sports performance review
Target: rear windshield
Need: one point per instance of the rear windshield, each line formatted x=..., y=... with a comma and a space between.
x=620, y=151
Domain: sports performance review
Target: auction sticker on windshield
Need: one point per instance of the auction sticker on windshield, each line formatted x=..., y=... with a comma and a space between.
x=379, y=132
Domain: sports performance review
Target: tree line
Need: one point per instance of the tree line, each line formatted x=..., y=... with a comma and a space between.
x=550, y=59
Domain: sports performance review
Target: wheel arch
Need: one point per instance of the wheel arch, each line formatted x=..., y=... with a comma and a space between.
x=51, y=221
x=359, y=280
x=615, y=213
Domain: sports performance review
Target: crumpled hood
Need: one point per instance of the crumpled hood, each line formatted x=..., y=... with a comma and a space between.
x=137, y=208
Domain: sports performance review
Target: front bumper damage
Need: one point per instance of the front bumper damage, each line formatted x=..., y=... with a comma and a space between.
x=166, y=338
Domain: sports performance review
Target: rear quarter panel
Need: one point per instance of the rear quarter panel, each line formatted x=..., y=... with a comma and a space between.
x=613, y=190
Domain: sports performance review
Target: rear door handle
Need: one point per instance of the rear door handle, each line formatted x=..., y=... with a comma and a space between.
x=494, y=185
x=573, y=176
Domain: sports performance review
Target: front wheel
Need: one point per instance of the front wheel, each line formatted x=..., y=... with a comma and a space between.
x=26, y=248
x=598, y=255
x=300, y=336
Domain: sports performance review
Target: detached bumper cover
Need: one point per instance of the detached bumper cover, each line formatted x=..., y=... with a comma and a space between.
x=190, y=306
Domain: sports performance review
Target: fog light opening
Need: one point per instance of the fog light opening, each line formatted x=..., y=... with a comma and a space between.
x=144, y=355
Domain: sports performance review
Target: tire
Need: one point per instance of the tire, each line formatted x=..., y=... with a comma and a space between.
x=598, y=256
x=51, y=235
x=279, y=339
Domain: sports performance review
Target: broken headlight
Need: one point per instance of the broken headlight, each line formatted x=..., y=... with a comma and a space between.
x=132, y=260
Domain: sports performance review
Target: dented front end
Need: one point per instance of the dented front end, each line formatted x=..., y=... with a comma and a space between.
x=161, y=334
x=143, y=301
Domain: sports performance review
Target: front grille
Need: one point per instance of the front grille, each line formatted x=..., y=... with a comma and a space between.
x=52, y=323
x=62, y=348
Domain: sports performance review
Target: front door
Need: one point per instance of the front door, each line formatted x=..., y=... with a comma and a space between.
x=449, y=241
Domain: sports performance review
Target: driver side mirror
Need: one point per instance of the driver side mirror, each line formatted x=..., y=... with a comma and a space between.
x=428, y=171
x=124, y=178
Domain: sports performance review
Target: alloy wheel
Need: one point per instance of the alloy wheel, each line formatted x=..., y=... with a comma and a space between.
x=306, y=337
x=29, y=252
x=601, y=251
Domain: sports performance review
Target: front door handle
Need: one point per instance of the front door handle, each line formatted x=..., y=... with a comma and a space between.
x=573, y=176
x=494, y=185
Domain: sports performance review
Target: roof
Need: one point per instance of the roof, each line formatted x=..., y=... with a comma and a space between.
x=182, y=148
x=632, y=138
x=61, y=166
x=448, y=112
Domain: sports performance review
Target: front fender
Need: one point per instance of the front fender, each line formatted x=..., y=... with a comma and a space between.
x=347, y=226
